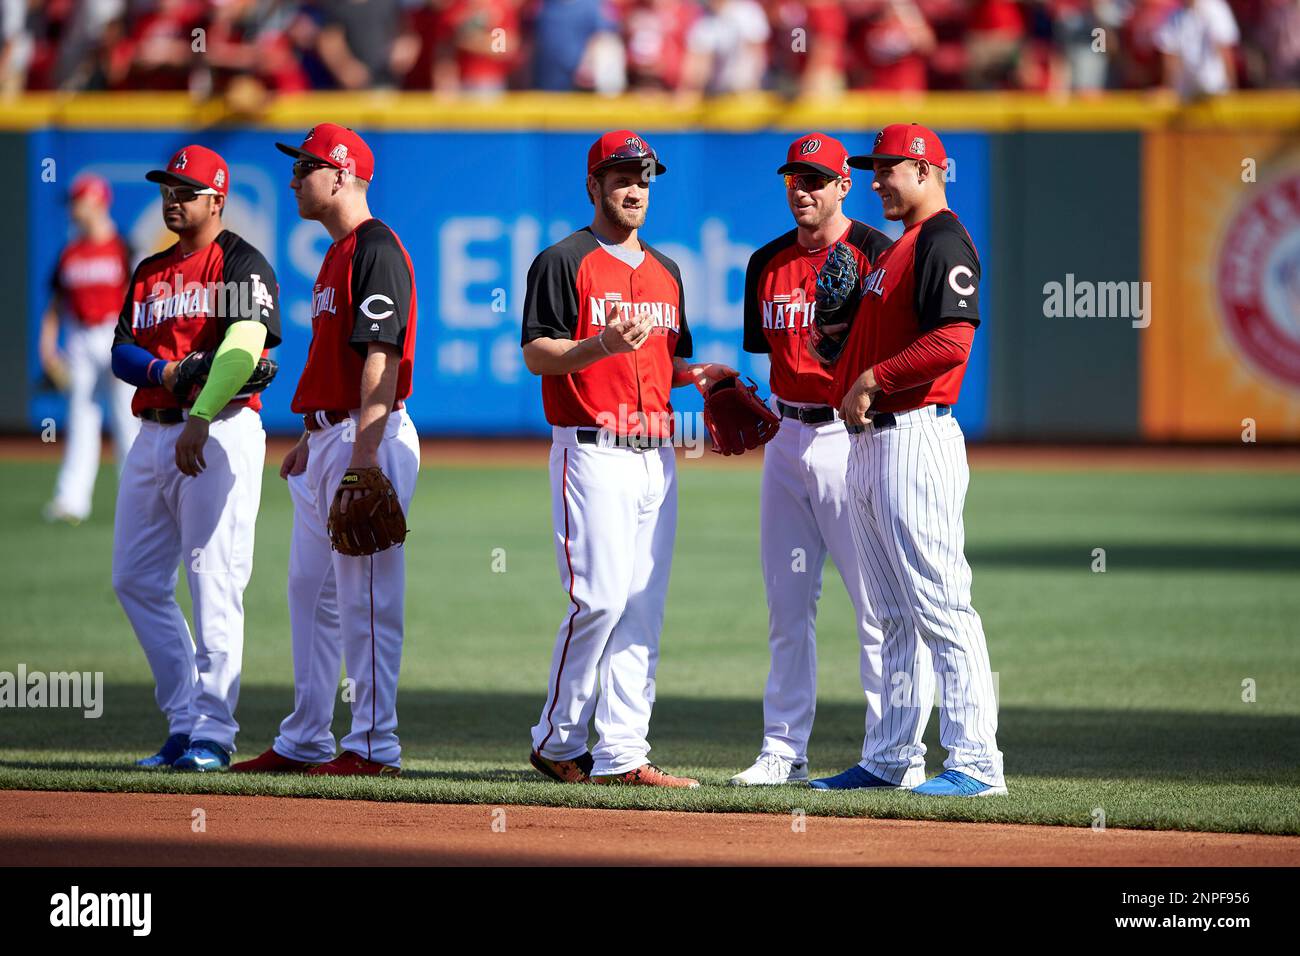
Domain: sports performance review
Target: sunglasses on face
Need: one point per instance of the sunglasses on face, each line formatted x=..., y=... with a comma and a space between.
x=808, y=182
x=182, y=194
x=305, y=167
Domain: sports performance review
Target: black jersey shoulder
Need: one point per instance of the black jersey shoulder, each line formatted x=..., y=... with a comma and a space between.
x=671, y=265
x=375, y=235
x=945, y=231
x=869, y=239
x=571, y=250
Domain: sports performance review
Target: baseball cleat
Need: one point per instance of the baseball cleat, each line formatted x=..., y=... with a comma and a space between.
x=577, y=770
x=348, y=764
x=771, y=770
x=168, y=753
x=954, y=783
x=646, y=775
x=203, y=756
x=855, y=778
x=272, y=762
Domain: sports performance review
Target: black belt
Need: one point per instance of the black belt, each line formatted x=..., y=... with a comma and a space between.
x=887, y=419
x=163, y=416
x=814, y=415
x=595, y=436
x=312, y=420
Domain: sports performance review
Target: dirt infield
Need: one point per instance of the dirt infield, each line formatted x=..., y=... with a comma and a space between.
x=528, y=452
x=121, y=829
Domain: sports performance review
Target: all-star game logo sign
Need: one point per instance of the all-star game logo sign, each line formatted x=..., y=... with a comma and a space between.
x=1259, y=279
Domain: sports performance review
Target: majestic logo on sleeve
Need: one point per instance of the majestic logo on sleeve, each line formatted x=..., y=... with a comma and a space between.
x=1259, y=279
x=612, y=308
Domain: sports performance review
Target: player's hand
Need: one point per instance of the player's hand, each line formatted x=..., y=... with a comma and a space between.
x=189, y=446
x=626, y=335
x=295, y=463
x=708, y=374
x=169, y=375
x=856, y=404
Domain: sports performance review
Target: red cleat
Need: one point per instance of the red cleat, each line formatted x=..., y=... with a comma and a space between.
x=348, y=764
x=271, y=762
x=646, y=775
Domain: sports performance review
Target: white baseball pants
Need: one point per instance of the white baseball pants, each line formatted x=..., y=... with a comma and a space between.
x=346, y=610
x=165, y=518
x=804, y=515
x=90, y=377
x=615, y=516
x=908, y=487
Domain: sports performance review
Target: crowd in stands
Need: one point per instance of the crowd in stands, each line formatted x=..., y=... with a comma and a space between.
x=677, y=48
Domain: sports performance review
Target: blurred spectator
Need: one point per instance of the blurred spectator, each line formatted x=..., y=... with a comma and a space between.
x=1198, y=42
x=158, y=50
x=891, y=42
x=1083, y=55
x=15, y=46
x=358, y=43
x=570, y=43
x=484, y=38
x=1278, y=43
x=949, y=20
x=726, y=49
x=654, y=33
x=1140, y=63
x=249, y=48
x=994, y=45
x=809, y=46
x=89, y=30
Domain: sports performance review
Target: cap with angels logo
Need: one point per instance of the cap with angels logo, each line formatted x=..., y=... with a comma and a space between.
x=621, y=146
x=818, y=153
x=904, y=141
x=336, y=146
x=92, y=187
x=197, y=167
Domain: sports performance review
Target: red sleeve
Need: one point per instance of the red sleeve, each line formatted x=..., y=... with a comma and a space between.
x=937, y=351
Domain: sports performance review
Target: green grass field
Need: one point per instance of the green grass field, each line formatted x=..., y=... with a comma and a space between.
x=1121, y=693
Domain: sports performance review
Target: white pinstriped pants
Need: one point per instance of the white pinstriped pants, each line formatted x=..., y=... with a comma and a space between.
x=907, y=486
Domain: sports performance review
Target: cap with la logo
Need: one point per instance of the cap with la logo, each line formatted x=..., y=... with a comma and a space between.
x=904, y=141
x=335, y=146
x=197, y=167
x=818, y=153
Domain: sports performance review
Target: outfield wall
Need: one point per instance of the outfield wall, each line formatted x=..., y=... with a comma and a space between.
x=1106, y=195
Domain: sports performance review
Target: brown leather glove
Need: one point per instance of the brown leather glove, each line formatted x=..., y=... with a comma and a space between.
x=374, y=520
x=736, y=417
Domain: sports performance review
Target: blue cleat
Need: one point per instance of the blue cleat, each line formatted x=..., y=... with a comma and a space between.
x=954, y=783
x=168, y=753
x=855, y=778
x=203, y=756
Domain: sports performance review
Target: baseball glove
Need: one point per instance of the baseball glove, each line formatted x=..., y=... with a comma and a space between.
x=192, y=374
x=837, y=301
x=736, y=417
x=374, y=520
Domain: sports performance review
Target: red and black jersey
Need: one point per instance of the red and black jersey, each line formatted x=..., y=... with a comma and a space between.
x=575, y=289
x=780, y=302
x=180, y=303
x=91, y=278
x=364, y=292
x=928, y=278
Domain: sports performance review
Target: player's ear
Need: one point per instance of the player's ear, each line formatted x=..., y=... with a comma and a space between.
x=219, y=204
x=922, y=170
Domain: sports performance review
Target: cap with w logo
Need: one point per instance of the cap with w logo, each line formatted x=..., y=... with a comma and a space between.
x=622, y=146
x=817, y=153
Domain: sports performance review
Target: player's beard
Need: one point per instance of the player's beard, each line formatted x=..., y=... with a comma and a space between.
x=616, y=212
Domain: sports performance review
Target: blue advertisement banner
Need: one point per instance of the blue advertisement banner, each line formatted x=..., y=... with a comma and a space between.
x=473, y=210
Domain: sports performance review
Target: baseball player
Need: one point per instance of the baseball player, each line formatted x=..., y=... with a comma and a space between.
x=86, y=294
x=605, y=327
x=193, y=478
x=803, y=500
x=345, y=607
x=896, y=381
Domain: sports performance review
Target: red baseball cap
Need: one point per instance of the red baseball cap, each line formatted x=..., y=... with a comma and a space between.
x=818, y=152
x=335, y=146
x=90, y=186
x=197, y=167
x=621, y=146
x=904, y=141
